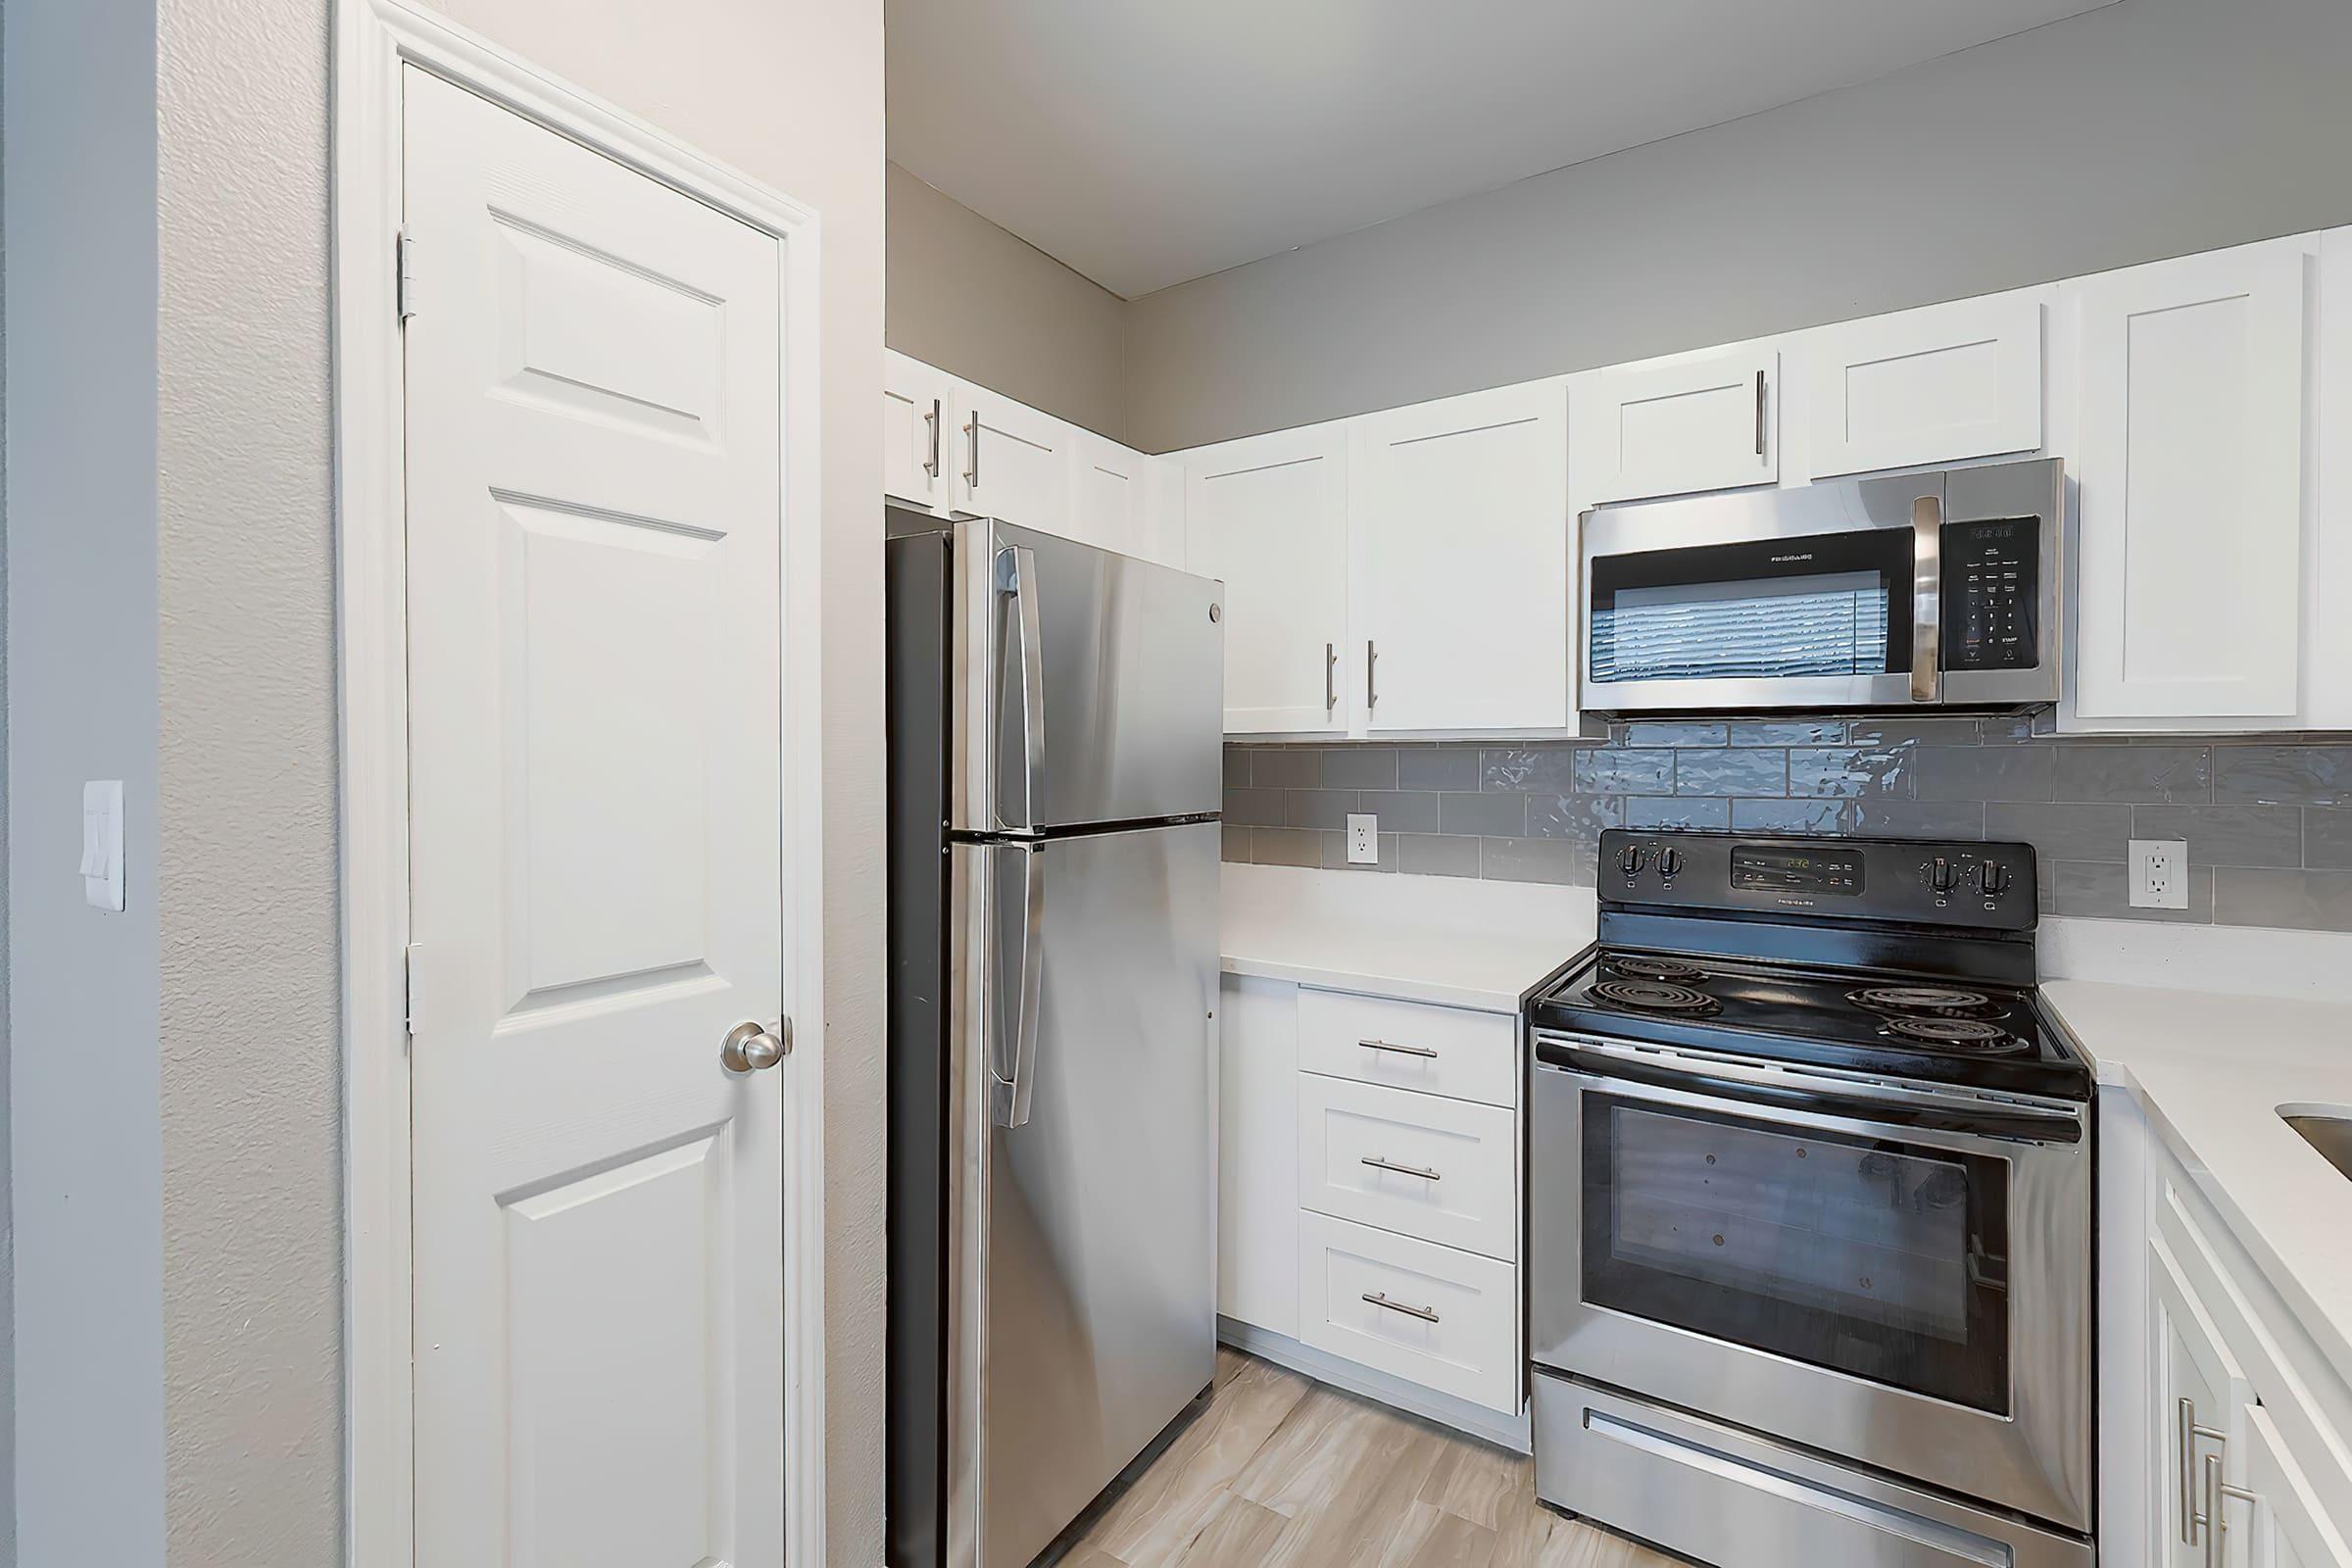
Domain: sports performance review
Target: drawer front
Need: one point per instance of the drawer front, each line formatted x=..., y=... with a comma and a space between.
x=1443, y=1170
x=1411, y=1045
x=1443, y=1319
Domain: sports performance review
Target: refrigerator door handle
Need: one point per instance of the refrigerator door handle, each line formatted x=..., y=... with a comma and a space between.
x=1016, y=582
x=1018, y=941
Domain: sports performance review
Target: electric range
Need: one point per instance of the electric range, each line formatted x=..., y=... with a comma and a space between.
x=1809, y=1210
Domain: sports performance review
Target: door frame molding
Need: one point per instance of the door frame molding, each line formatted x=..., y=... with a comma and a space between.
x=374, y=40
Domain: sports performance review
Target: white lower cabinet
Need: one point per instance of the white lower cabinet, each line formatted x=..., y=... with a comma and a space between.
x=1431, y=1315
x=2242, y=1458
x=1367, y=1220
x=1443, y=1170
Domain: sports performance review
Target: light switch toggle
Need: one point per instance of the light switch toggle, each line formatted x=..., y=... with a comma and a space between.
x=101, y=844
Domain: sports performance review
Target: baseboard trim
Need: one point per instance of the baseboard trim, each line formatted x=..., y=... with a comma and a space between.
x=1446, y=1410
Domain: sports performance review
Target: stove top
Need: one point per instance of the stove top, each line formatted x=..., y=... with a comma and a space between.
x=1939, y=1031
x=1900, y=958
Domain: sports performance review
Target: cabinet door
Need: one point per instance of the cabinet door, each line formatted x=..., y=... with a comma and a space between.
x=2201, y=1400
x=2192, y=474
x=1258, y=1154
x=1460, y=575
x=916, y=406
x=1011, y=462
x=1113, y=502
x=2286, y=1526
x=1268, y=516
x=1702, y=421
x=1919, y=387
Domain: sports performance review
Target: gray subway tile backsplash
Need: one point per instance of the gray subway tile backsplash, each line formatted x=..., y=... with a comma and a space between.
x=2268, y=820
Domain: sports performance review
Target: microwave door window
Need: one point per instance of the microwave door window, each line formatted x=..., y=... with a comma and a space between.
x=1832, y=623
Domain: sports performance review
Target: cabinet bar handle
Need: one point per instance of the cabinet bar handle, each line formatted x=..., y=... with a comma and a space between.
x=1381, y=1298
x=971, y=474
x=2217, y=1520
x=1422, y=1171
x=931, y=419
x=1759, y=411
x=1371, y=687
x=1401, y=1051
x=1331, y=678
x=2190, y=1432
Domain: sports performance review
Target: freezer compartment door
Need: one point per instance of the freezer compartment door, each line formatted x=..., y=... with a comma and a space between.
x=1096, y=1320
x=1088, y=685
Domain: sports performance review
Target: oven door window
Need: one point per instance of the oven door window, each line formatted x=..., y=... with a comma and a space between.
x=1835, y=603
x=1871, y=1256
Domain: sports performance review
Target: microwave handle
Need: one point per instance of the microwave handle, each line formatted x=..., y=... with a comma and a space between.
x=1927, y=597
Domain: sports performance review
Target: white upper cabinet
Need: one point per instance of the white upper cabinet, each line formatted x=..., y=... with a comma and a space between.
x=1268, y=514
x=1927, y=386
x=2191, y=476
x=916, y=402
x=1460, y=563
x=1110, y=493
x=1697, y=422
x=1010, y=461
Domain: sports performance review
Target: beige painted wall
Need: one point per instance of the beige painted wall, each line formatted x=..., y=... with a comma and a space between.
x=791, y=93
x=2149, y=128
x=977, y=302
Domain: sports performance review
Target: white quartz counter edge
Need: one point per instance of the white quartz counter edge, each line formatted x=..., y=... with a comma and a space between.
x=2211, y=1071
x=1449, y=941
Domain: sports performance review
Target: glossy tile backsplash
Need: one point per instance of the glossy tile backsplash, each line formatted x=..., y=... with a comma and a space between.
x=2268, y=821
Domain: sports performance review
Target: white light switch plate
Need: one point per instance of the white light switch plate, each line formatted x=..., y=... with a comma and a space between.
x=101, y=844
x=2159, y=875
x=1363, y=838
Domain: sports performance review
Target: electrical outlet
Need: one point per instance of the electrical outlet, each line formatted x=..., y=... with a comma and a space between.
x=2159, y=875
x=1363, y=838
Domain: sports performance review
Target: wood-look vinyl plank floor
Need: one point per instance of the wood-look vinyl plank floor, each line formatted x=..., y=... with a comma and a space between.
x=1283, y=1472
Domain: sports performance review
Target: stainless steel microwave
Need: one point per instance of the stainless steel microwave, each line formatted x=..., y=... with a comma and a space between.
x=1924, y=590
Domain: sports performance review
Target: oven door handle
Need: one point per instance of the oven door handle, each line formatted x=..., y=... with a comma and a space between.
x=2016, y=1125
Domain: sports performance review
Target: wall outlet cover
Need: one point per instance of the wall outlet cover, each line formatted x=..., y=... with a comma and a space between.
x=1363, y=838
x=2159, y=875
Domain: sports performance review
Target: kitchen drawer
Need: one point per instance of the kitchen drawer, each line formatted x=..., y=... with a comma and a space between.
x=1450, y=1318
x=1443, y=1170
x=1411, y=1045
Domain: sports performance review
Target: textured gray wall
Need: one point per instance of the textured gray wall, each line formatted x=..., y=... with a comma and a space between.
x=2149, y=129
x=970, y=298
x=80, y=101
x=246, y=878
x=792, y=93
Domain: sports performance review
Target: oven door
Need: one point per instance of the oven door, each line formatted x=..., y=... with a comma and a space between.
x=1897, y=1276
x=1826, y=597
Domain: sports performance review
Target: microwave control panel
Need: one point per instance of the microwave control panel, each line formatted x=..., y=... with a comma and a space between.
x=1991, y=588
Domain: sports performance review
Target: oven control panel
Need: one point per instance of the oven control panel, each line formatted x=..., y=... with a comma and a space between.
x=1992, y=586
x=1915, y=881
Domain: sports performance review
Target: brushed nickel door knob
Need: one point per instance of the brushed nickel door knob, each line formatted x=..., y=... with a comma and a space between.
x=749, y=1048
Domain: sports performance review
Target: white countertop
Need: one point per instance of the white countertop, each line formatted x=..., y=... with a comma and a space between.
x=1454, y=941
x=2212, y=1070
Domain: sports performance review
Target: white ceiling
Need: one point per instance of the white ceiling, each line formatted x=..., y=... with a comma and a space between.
x=1145, y=142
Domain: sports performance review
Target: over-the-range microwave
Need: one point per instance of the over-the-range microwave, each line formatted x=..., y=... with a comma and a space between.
x=1923, y=590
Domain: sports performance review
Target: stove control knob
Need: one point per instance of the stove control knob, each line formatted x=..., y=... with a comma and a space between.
x=1991, y=879
x=1940, y=875
x=1631, y=860
x=1669, y=862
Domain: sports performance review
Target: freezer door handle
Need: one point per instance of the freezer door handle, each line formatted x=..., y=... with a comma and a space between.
x=1017, y=586
x=1018, y=941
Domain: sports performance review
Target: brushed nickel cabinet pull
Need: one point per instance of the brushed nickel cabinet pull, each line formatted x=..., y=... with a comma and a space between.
x=1380, y=1299
x=1401, y=1051
x=931, y=419
x=1371, y=686
x=971, y=474
x=1759, y=411
x=1422, y=1171
x=1331, y=678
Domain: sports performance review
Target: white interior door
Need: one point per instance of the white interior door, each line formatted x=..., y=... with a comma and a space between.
x=595, y=692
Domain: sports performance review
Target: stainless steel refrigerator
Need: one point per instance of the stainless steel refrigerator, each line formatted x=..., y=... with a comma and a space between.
x=1055, y=774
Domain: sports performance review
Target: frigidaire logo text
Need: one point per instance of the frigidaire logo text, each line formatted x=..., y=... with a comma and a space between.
x=1808, y=556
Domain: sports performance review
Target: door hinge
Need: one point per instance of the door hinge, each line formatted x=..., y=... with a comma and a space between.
x=408, y=985
x=406, y=291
